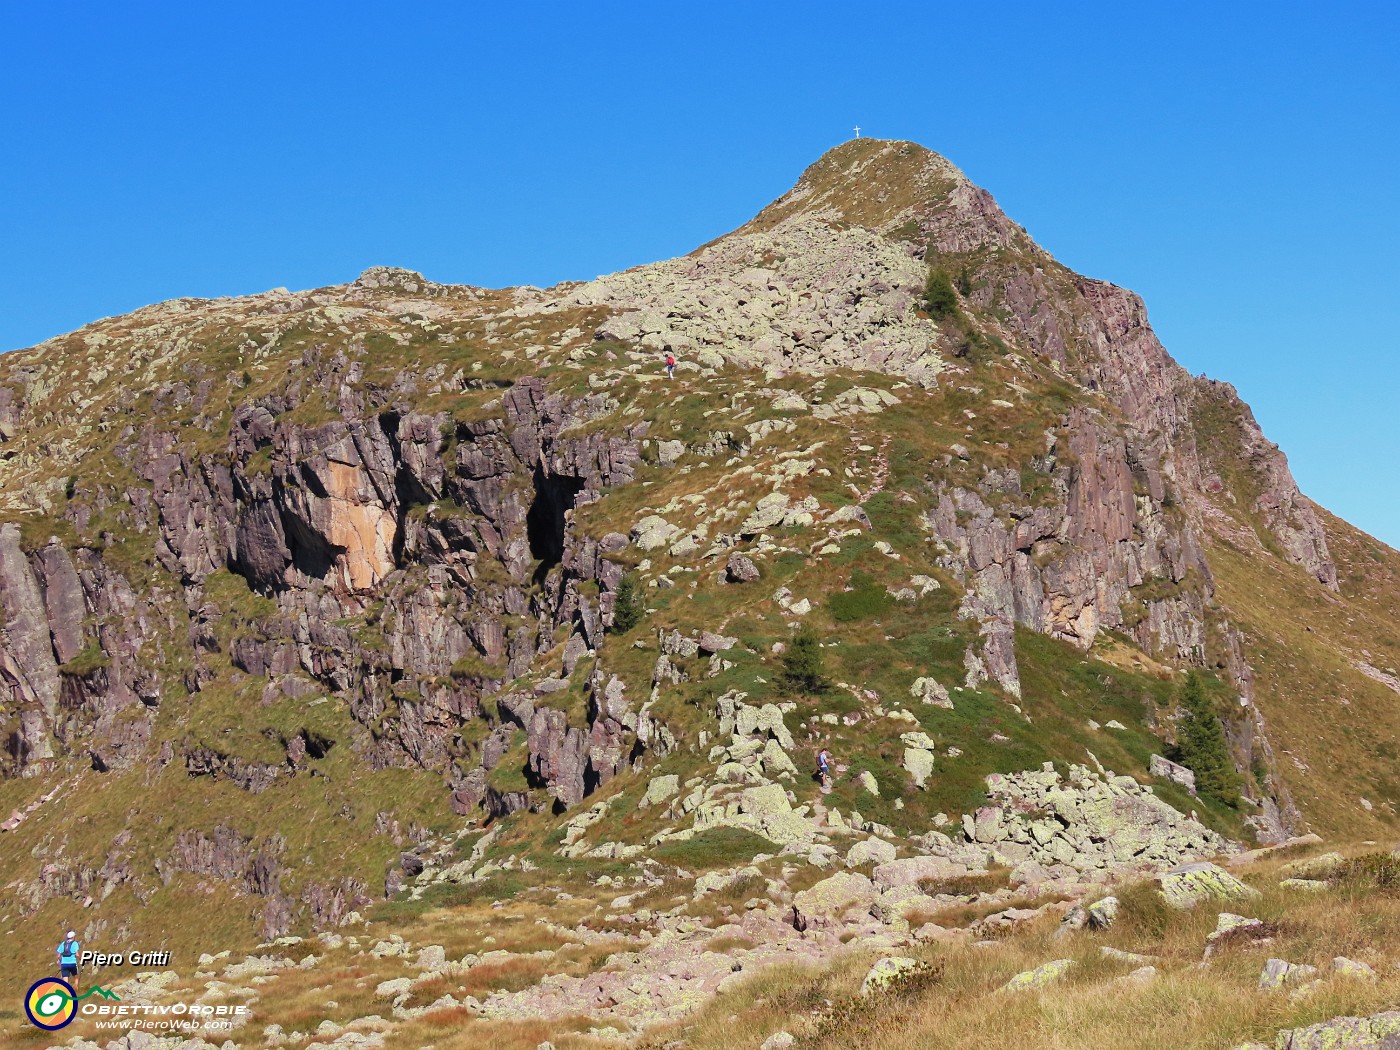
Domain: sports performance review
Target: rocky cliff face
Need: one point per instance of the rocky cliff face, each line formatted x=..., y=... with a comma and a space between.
x=416, y=502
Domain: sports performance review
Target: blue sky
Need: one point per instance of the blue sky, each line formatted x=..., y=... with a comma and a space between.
x=1238, y=165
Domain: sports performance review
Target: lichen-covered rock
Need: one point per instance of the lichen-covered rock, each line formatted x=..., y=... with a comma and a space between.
x=830, y=901
x=1189, y=884
x=1344, y=967
x=1279, y=972
x=884, y=972
x=1099, y=915
x=1098, y=822
x=870, y=851
x=767, y=513
x=1378, y=1032
x=1173, y=771
x=653, y=532
x=740, y=569
x=659, y=789
x=1227, y=923
x=929, y=691
x=918, y=763
x=912, y=870
x=1103, y=913
x=1312, y=868
x=714, y=881
x=1045, y=974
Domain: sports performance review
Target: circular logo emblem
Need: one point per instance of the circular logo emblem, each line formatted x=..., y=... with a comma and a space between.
x=51, y=1004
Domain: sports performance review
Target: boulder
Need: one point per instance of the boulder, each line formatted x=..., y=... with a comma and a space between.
x=740, y=569
x=393, y=989
x=1097, y=916
x=1279, y=972
x=1169, y=770
x=659, y=789
x=767, y=512
x=653, y=532
x=896, y=904
x=871, y=851
x=830, y=901
x=1344, y=967
x=884, y=972
x=1045, y=974
x=928, y=691
x=1378, y=1032
x=431, y=957
x=1103, y=913
x=667, y=452
x=775, y=761
x=867, y=781
x=1118, y=955
x=913, y=870
x=1142, y=975
x=715, y=643
x=778, y=1041
x=1189, y=884
x=1227, y=923
x=766, y=720
x=918, y=763
x=1319, y=867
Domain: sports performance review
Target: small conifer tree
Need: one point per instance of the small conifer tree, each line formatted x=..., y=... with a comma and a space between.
x=940, y=299
x=628, y=607
x=1201, y=746
x=803, y=668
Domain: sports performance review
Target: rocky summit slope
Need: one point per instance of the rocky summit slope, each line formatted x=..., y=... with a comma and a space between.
x=318, y=600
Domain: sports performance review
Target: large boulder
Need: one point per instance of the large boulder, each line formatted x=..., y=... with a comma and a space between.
x=1046, y=973
x=740, y=569
x=830, y=902
x=652, y=532
x=1173, y=771
x=913, y=870
x=1319, y=867
x=1189, y=884
x=930, y=691
x=885, y=971
x=871, y=851
x=659, y=789
x=1378, y=1032
x=1279, y=973
x=918, y=763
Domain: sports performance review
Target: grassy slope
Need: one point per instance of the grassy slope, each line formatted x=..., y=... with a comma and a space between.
x=1339, y=729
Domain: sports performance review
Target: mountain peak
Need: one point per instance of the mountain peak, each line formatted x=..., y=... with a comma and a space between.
x=877, y=183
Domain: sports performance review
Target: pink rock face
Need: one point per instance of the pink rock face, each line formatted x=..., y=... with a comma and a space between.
x=364, y=532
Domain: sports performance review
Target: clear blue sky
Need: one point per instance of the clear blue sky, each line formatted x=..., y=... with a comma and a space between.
x=1234, y=163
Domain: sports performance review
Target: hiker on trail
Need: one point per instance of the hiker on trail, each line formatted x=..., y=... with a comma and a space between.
x=824, y=767
x=670, y=364
x=67, y=953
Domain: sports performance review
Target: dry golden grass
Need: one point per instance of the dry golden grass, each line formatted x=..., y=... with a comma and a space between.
x=1188, y=1005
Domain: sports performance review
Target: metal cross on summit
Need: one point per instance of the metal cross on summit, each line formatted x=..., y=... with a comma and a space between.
x=857, y=131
